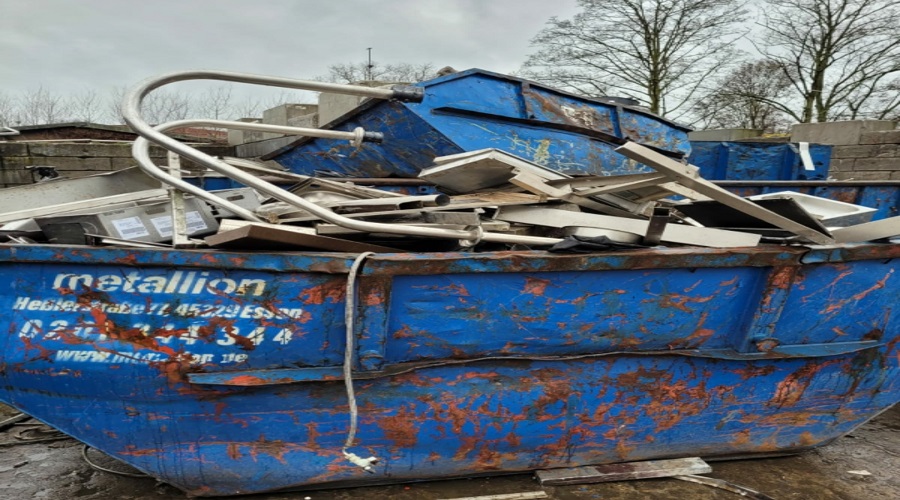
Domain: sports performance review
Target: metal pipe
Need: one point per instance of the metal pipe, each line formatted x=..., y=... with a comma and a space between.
x=820, y=183
x=131, y=113
x=140, y=150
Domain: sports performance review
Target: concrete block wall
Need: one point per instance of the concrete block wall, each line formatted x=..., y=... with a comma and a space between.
x=332, y=106
x=875, y=157
x=846, y=133
x=242, y=136
x=294, y=115
x=724, y=134
x=77, y=158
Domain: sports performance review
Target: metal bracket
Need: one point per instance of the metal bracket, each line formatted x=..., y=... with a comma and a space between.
x=657, y=225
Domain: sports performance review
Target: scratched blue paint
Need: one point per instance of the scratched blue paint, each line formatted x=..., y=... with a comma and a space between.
x=758, y=161
x=476, y=109
x=519, y=313
x=558, y=360
x=840, y=308
x=886, y=198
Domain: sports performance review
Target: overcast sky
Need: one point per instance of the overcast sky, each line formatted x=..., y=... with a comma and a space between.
x=69, y=45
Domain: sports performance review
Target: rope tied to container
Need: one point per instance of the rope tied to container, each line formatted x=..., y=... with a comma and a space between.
x=349, y=322
x=359, y=135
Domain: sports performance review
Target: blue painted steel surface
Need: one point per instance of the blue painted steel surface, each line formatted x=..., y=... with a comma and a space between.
x=758, y=161
x=476, y=109
x=220, y=373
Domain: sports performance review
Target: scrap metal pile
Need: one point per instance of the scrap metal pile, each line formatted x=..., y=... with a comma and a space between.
x=482, y=200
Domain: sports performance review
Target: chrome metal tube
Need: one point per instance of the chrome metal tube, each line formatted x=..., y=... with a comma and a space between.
x=131, y=113
x=140, y=150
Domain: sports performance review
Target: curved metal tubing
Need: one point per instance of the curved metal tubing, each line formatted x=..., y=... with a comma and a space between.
x=131, y=113
x=140, y=150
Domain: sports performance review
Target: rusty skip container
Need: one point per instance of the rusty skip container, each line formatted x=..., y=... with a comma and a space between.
x=477, y=109
x=220, y=373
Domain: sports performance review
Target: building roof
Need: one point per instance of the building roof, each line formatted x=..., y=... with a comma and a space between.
x=195, y=134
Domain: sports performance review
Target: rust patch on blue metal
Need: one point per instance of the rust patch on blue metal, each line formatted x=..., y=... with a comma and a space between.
x=466, y=363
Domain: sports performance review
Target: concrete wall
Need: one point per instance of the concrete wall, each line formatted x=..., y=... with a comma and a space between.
x=76, y=158
x=724, y=134
x=847, y=133
x=875, y=157
x=863, y=150
x=291, y=115
x=242, y=136
x=294, y=115
x=332, y=106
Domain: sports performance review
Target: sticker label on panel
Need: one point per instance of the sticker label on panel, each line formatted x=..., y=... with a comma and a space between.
x=130, y=228
x=193, y=220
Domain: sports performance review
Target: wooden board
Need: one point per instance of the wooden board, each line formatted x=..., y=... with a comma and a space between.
x=623, y=471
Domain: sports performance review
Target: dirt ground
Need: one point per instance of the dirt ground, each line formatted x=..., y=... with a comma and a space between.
x=864, y=465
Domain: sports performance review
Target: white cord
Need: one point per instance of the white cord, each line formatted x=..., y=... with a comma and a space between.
x=358, y=135
x=349, y=315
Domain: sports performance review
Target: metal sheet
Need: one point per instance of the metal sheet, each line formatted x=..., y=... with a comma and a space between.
x=259, y=236
x=61, y=191
x=831, y=213
x=623, y=471
x=479, y=170
x=762, y=161
x=476, y=109
x=672, y=233
x=869, y=231
x=150, y=223
x=86, y=204
x=688, y=175
x=521, y=360
x=717, y=214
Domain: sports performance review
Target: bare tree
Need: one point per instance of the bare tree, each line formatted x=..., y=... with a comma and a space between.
x=838, y=54
x=114, y=105
x=250, y=107
x=284, y=96
x=657, y=51
x=157, y=107
x=876, y=100
x=85, y=106
x=8, y=111
x=40, y=106
x=741, y=99
x=889, y=102
x=215, y=103
x=164, y=106
x=360, y=72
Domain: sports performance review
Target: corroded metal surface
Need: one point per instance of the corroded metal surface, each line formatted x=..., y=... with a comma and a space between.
x=220, y=373
x=763, y=161
x=477, y=109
